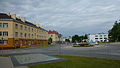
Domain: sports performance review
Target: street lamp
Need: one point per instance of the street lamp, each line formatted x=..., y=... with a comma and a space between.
x=2, y=44
x=59, y=36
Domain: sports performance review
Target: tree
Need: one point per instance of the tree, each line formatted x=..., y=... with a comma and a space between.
x=67, y=40
x=85, y=37
x=114, y=33
x=50, y=41
x=77, y=38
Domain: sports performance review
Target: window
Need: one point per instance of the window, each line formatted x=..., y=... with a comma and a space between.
x=16, y=26
x=21, y=34
x=4, y=42
x=32, y=35
x=25, y=35
x=100, y=35
x=5, y=33
x=105, y=38
x=29, y=28
x=0, y=33
x=0, y=24
x=25, y=28
x=16, y=34
x=100, y=38
x=5, y=25
x=96, y=35
x=96, y=38
x=105, y=35
x=21, y=27
x=32, y=29
x=29, y=35
x=16, y=42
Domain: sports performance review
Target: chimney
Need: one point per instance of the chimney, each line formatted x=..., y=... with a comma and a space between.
x=23, y=19
x=8, y=14
x=13, y=16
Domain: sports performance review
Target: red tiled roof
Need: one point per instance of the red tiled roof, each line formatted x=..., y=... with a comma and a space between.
x=52, y=32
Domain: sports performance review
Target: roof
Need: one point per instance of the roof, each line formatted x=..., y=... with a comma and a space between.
x=4, y=16
x=52, y=32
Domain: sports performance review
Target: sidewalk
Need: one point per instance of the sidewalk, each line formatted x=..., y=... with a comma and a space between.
x=5, y=62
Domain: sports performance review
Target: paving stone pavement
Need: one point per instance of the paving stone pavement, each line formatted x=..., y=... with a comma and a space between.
x=5, y=62
x=30, y=59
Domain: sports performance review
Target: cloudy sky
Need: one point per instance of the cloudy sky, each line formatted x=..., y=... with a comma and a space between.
x=69, y=17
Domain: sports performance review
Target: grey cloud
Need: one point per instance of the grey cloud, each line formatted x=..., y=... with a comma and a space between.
x=67, y=16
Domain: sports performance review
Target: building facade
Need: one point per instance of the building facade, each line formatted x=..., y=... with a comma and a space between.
x=54, y=35
x=100, y=37
x=16, y=32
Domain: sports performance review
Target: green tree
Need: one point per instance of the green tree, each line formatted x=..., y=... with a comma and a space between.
x=77, y=38
x=114, y=33
x=67, y=40
x=50, y=41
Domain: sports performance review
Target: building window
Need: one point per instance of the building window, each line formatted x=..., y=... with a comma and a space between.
x=32, y=35
x=96, y=38
x=32, y=29
x=25, y=35
x=16, y=26
x=0, y=33
x=96, y=35
x=4, y=42
x=29, y=35
x=100, y=38
x=25, y=28
x=105, y=38
x=21, y=27
x=16, y=42
x=5, y=25
x=29, y=28
x=21, y=34
x=105, y=35
x=100, y=35
x=0, y=24
x=5, y=33
x=16, y=34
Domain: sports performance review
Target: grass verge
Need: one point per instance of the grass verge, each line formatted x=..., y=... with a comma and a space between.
x=80, y=62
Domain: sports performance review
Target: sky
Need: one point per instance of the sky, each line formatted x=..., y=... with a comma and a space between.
x=68, y=17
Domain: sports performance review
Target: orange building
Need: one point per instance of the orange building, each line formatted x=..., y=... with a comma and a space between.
x=16, y=32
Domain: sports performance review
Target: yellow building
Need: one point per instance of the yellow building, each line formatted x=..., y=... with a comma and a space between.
x=16, y=32
x=54, y=35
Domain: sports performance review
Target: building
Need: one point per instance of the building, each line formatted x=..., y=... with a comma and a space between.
x=16, y=32
x=100, y=37
x=54, y=35
x=70, y=38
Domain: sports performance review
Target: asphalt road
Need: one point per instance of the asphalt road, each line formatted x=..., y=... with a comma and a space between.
x=108, y=51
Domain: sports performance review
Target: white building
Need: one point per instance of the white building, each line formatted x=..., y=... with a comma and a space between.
x=100, y=37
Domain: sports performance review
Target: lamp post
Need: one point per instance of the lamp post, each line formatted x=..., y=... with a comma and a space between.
x=2, y=44
x=59, y=36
